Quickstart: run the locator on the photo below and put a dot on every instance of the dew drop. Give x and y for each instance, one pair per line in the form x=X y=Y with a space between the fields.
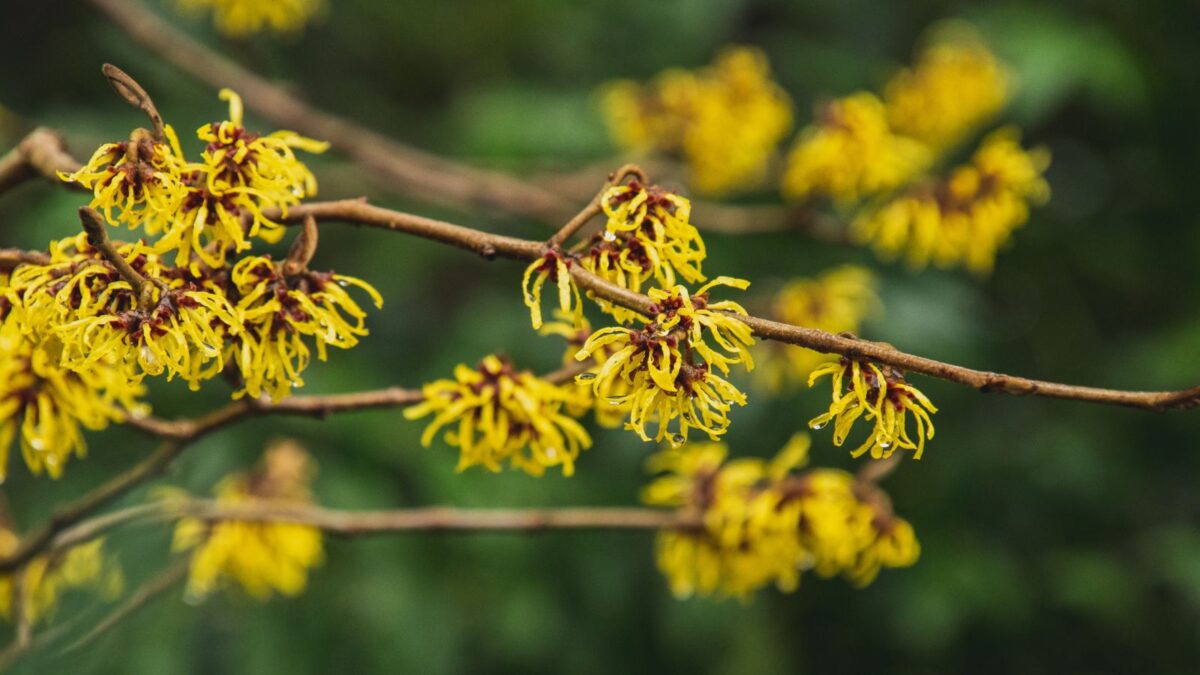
x=38 y=444
x=885 y=446
x=609 y=236
x=817 y=425
x=585 y=376
x=551 y=453
x=678 y=440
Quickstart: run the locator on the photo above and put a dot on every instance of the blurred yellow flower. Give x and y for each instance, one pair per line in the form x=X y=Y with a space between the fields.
x=955 y=86
x=724 y=120
x=502 y=414
x=261 y=557
x=761 y=523
x=46 y=578
x=243 y=18
x=835 y=302
x=966 y=218
x=850 y=153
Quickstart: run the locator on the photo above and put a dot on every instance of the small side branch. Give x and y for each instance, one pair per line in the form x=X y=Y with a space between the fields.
x=143 y=596
x=41 y=153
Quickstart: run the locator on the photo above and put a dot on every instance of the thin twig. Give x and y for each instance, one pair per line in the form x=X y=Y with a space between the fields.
x=357 y=211
x=97 y=235
x=11 y=257
x=146 y=593
x=303 y=248
x=42 y=153
x=75 y=511
x=305 y=406
x=416 y=173
x=132 y=93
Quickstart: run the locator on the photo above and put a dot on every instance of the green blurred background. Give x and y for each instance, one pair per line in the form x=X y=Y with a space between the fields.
x=1056 y=536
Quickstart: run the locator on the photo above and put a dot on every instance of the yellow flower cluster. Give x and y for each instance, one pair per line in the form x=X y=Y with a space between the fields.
x=81 y=329
x=724 y=120
x=243 y=18
x=276 y=312
x=503 y=414
x=48 y=404
x=956 y=85
x=261 y=557
x=850 y=153
x=648 y=235
x=252 y=316
x=761 y=523
x=99 y=317
x=878 y=393
x=205 y=208
x=967 y=217
x=835 y=302
x=609 y=412
x=46 y=578
x=653 y=371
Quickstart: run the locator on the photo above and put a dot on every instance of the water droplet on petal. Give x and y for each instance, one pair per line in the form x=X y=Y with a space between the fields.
x=817 y=425
x=678 y=440
x=609 y=236
x=551 y=453
x=585 y=376
x=38 y=444
x=885 y=446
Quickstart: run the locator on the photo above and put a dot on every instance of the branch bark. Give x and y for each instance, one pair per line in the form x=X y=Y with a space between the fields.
x=41 y=153
x=357 y=211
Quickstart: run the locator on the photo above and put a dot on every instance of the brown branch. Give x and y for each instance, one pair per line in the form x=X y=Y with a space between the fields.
x=75 y=511
x=146 y=593
x=41 y=153
x=97 y=236
x=305 y=406
x=132 y=93
x=416 y=173
x=491 y=245
x=11 y=257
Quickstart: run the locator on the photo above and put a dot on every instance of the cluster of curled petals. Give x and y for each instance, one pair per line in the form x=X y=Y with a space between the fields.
x=967 y=217
x=553 y=267
x=494 y=413
x=48 y=406
x=877 y=394
x=653 y=369
x=280 y=314
x=724 y=120
x=850 y=152
x=837 y=301
x=607 y=409
x=261 y=557
x=47 y=578
x=206 y=209
x=172 y=325
x=648 y=236
x=243 y=18
x=762 y=523
x=955 y=86
x=136 y=183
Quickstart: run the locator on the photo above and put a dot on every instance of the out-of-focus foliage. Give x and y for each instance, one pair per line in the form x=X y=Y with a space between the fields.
x=1054 y=536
